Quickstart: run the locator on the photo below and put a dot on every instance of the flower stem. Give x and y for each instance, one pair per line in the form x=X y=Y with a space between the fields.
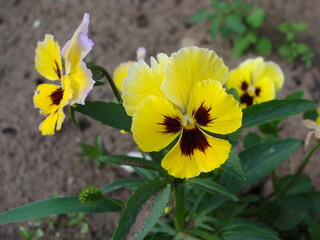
x=110 y=80
x=274 y=181
x=179 y=206
x=300 y=169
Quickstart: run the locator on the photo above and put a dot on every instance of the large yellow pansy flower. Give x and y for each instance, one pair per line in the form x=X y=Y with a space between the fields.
x=182 y=98
x=256 y=81
x=67 y=66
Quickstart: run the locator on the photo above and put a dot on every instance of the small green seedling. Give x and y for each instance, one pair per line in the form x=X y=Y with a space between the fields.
x=238 y=22
x=292 y=50
x=93 y=152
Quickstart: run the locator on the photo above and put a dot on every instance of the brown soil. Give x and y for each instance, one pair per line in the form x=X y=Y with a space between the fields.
x=34 y=166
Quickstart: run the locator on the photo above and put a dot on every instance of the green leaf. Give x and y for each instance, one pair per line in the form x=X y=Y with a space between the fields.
x=302 y=48
x=233 y=166
x=214 y=27
x=111 y=114
x=57 y=206
x=285 y=51
x=256 y=18
x=273 y=110
x=284 y=27
x=264 y=46
x=203 y=234
x=242 y=222
x=235 y=24
x=296 y=94
x=99 y=83
x=132 y=161
x=251 y=139
x=240 y=45
x=96 y=74
x=212 y=187
x=159 y=206
x=299 y=26
x=259 y=161
x=234 y=93
x=314 y=200
x=310 y=114
x=73 y=117
x=241 y=232
x=141 y=206
x=221 y=6
x=122 y=183
x=200 y=16
x=302 y=184
x=313 y=227
x=290 y=211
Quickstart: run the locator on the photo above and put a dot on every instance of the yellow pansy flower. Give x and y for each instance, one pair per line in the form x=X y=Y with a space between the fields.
x=121 y=72
x=181 y=97
x=67 y=66
x=256 y=81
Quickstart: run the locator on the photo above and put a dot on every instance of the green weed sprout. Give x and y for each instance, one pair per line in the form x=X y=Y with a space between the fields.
x=238 y=22
x=93 y=152
x=292 y=50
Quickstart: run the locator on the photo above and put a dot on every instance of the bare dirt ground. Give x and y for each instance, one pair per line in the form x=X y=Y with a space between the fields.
x=32 y=166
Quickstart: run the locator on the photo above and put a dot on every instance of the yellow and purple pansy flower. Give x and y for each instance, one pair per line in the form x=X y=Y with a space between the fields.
x=256 y=81
x=181 y=98
x=68 y=67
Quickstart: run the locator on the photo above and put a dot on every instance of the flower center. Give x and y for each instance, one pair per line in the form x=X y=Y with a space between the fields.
x=56 y=96
x=250 y=93
x=193 y=139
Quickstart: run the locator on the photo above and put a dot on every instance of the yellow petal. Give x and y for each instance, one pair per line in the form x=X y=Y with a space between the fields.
x=155 y=124
x=47 y=59
x=264 y=90
x=51 y=99
x=240 y=80
x=79 y=45
x=81 y=83
x=47 y=127
x=143 y=81
x=47 y=97
x=120 y=73
x=272 y=71
x=187 y=67
x=180 y=165
x=213 y=109
x=52 y=122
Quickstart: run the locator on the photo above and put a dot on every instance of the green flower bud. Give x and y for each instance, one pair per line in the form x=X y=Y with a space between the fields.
x=90 y=195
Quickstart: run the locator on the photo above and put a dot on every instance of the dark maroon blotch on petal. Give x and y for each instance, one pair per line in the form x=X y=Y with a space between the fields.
x=246 y=99
x=56 y=96
x=172 y=124
x=244 y=86
x=191 y=140
x=257 y=91
x=202 y=116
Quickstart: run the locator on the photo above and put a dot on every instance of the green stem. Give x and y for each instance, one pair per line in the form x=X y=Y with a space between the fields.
x=300 y=169
x=274 y=181
x=179 y=206
x=110 y=80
